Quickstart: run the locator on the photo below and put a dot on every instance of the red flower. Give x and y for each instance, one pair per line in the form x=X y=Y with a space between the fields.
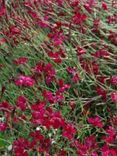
x=95 y=121
x=56 y=120
x=2 y=11
x=101 y=79
x=101 y=53
x=48 y=96
x=14 y=30
x=55 y=56
x=69 y=131
x=21 y=102
x=89 y=145
x=49 y=73
x=111 y=19
x=43 y=144
x=74 y=3
x=62 y=86
x=2 y=40
x=113 y=80
x=101 y=92
x=111 y=131
x=57 y=38
x=39 y=67
x=19 y=147
x=20 y=60
x=79 y=18
x=106 y=151
x=104 y=6
x=89 y=5
x=24 y=81
x=80 y=51
x=113 y=96
x=75 y=77
x=96 y=24
x=5 y=106
x=3 y=126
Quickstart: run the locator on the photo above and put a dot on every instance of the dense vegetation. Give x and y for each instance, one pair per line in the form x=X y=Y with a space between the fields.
x=58 y=78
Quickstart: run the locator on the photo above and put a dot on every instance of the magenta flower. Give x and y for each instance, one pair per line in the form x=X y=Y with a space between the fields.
x=24 y=81
x=38 y=68
x=89 y=145
x=2 y=11
x=21 y=102
x=20 y=60
x=69 y=131
x=106 y=151
x=55 y=56
x=79 y=18
x=101 y=92
x=95 y=121
x=57 y=38
x=62 y=87
x=56 y=120
x=80 y=51
x=113 y=96
x=113 y=80
x=3 y=126
x=101 y=53
x=104 y=6
x=20 y=146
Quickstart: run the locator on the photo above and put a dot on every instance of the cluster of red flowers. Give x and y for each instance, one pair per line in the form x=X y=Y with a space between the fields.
x=63 y=91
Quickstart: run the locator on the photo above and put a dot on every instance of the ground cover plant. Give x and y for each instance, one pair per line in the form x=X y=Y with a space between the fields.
x=58 y=78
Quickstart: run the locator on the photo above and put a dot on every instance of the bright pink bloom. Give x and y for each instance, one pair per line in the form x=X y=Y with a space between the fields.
x=79 y=18
x=55 y=56
x=101 y=92
x=14 y=30
x=20 y=60
x=20 y=146
x=80 y=51
x=108 y=139
x=106 y=151
x=94 y=154
x=69 y=131
x=62 y=87
x=104 y=6
x=75 y=77
x=113 y=96
x=88 y=145
x=111 y=131
x=95 y=121
x=96 y=24
x=24 y=81
x=113 y=80
x=38 y=68
x=49 y=73
x=101 y=79
x=57 y=38
x=43 y=144
x=101 y=53
x=112 y=19
x=21 y=102
x=3 y=126
x=2 y=10
x=5 y=106
x=56 y=120
x=49 y=96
